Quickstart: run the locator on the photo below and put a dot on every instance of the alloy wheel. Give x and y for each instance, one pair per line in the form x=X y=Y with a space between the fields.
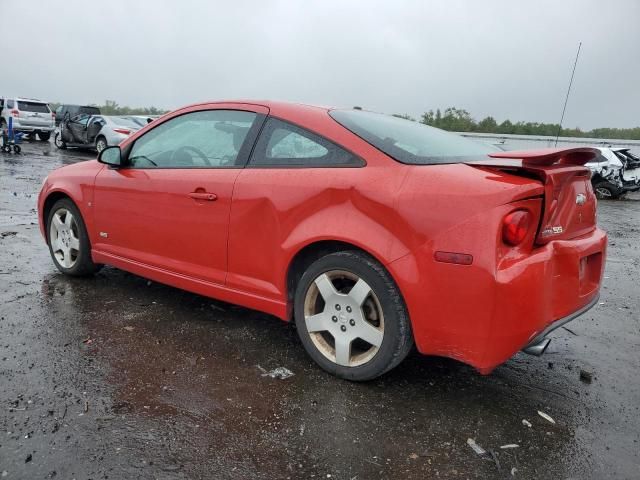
x=64 y=239
x=603 y=193
x=344 y=318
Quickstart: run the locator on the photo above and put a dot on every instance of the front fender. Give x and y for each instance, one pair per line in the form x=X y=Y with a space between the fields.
x=76 y=182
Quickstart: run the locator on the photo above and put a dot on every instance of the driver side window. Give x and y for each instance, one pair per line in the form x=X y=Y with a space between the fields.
x=205 y=139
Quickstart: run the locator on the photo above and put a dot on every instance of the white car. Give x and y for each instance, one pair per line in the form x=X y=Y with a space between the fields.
x=27 y=115
x=614 y=172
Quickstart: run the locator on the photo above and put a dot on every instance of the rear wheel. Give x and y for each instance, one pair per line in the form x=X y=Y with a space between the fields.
x=351 y=317
x=607 y=191
x=44 y=136
x=17 y=149
x=68 y=240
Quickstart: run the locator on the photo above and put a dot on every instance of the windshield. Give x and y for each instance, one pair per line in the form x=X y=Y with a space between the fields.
x=33 y=107
x=410 y=142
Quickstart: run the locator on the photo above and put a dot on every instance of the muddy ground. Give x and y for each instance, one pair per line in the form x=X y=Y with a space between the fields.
x=117 y=377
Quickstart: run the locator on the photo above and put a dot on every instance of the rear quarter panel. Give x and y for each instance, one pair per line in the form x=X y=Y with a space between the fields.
x=277 y=212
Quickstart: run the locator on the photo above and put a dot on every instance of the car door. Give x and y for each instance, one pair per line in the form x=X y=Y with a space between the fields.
x=77 y=129
x=292 y=174
x=95 y=125
x=169 y=206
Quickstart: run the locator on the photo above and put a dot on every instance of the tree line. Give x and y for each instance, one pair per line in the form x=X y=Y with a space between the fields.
x=459 y=120
x=452 y=119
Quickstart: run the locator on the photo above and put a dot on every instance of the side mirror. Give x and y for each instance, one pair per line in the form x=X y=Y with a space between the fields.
x=111 y=156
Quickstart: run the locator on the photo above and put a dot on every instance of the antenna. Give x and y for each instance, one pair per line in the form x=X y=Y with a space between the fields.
x=568 y=91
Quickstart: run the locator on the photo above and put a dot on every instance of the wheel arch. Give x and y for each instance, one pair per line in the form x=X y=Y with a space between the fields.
x=48 y=204
x=311 y=252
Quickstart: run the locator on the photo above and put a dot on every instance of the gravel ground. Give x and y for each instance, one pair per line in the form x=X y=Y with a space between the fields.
x=118 y=377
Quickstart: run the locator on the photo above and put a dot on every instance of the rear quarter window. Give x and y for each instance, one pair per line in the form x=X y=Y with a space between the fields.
x=283 y=144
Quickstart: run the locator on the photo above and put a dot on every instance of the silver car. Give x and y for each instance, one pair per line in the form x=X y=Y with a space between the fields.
x=94 y=131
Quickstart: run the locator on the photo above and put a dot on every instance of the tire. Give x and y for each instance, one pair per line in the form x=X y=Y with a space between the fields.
x=57 y=141
x=376 y=311
x=607 y=191
x=101 y=144
x=44 y=136
x=63 y=245
x=17 y=149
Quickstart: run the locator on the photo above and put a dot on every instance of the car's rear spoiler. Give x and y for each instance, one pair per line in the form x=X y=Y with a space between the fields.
x=546 y=157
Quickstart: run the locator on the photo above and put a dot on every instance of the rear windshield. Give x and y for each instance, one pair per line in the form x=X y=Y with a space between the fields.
x=89 y=110
x=410 y=142
x=33 y=107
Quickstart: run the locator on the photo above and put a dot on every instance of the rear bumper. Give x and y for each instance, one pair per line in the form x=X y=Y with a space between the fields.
x=484 y=313
x=538 y=339
x=27 y=128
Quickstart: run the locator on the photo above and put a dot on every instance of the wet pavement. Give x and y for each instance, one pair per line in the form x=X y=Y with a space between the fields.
x=118 y=377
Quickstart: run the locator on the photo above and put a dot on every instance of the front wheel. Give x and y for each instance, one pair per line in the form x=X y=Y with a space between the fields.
x=101 y=144
x=351 y=317
x=68 y=240
x=44 y=136
x=57 y=140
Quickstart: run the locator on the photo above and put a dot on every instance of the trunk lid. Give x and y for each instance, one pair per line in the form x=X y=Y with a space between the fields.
x=569 y=200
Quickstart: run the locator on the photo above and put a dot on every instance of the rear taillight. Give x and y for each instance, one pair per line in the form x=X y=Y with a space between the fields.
x=515 y=227
x=15 y=112
x=122 y=131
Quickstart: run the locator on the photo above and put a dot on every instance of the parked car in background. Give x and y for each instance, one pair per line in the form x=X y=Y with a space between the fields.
x=28 y=115
x=66 y=110
x=142 y=120
x=614 y=172
x=369 y=231
x=94 y=131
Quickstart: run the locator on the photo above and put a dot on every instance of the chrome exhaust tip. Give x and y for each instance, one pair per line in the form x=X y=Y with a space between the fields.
x=537 y=348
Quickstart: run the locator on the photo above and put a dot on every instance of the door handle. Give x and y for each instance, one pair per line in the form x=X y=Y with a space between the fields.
x=210 y=197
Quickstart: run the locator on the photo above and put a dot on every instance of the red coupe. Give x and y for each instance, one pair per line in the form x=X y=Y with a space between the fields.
x=371 y=232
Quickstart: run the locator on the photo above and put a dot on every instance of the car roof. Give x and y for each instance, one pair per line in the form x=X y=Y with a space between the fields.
x=275 y=106
x=25 y=99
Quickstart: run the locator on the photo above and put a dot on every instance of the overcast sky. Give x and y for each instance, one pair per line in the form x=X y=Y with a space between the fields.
x=509 y=59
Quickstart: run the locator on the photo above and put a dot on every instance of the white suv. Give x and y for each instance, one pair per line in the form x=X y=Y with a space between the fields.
x=29 y=116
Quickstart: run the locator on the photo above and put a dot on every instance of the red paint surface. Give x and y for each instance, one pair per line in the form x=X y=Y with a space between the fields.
x=239 y=247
